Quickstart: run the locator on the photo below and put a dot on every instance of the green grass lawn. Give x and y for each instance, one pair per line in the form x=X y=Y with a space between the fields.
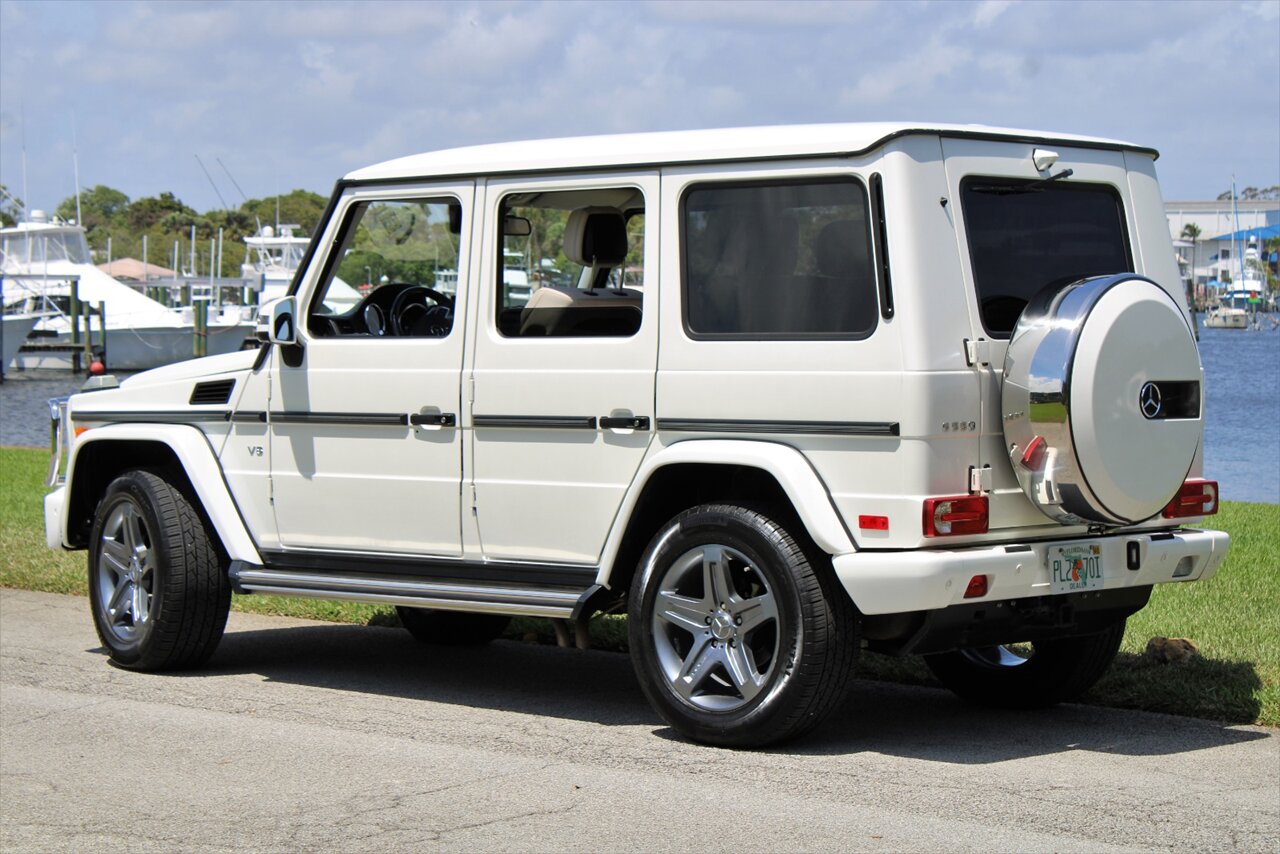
x=1233 y=617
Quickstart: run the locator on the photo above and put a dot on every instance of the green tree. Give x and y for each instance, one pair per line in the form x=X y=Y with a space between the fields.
x=299 y=207
x=149 y=211
x=1191 y=232
x=11 y=208
x=100 y=207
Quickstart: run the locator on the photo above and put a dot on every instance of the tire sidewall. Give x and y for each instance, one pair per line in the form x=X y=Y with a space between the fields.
x=764 y=546
x=131 y=489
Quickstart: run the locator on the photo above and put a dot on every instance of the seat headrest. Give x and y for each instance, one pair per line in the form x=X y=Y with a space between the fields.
x=596 y=236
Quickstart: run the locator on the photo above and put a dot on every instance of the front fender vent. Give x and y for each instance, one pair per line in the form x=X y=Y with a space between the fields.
x=216 y=393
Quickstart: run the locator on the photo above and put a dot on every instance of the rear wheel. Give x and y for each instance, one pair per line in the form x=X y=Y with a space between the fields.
x=157 y=584
x=737 y=636
x=1028 y=676
x=451 y=628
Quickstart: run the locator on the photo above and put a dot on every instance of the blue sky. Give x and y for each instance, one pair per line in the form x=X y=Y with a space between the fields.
x=292 y=95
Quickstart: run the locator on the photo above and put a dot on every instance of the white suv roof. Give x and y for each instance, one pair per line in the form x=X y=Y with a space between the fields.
x=588 y=152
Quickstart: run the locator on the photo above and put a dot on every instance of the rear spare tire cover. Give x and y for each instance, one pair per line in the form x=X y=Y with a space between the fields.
x=1102 y=400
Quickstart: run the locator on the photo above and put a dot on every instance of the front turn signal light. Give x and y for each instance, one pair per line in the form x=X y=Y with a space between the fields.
x=1194 y=498
x=951 y=517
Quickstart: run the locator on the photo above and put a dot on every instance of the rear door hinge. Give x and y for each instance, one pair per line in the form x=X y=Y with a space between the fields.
x=979 y=480
x=977 y=352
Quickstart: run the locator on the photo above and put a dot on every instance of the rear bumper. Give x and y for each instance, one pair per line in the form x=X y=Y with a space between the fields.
x=924 y=580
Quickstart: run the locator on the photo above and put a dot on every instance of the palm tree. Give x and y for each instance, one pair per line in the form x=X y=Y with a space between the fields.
x=1191 y=232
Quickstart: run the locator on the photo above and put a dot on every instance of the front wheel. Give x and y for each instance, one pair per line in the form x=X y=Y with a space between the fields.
x=1028 y=676
x=157 y=586
x=738 y=636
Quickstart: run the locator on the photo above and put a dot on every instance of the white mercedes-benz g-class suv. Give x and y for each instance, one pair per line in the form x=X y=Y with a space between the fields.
x=782 y=394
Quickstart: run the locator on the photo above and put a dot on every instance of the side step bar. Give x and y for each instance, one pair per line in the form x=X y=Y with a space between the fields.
x=444 y=595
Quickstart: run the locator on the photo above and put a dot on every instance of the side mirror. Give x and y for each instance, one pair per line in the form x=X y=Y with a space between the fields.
x=282 y=314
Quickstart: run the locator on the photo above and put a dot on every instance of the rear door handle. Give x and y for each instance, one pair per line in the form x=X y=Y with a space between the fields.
x=433 y=419
x=624 y=422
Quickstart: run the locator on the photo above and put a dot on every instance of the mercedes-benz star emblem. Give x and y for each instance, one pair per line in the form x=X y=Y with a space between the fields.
x=1149 y=400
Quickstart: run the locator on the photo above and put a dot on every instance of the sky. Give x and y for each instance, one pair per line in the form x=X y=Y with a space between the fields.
x=295 y=95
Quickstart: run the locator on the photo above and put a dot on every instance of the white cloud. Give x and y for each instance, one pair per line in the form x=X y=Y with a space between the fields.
x=296 y=94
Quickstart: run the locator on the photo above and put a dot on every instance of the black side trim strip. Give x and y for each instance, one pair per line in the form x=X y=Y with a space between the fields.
x=523 y=575
x=832 y=428
x=248 y=418
x=881 y=236
x=385 y=419
x=544 y=422
x=153 y=416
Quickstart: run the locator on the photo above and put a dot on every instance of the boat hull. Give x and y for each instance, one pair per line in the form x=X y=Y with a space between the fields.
x=142 y=349
x=13 y=334
x=1227 y=319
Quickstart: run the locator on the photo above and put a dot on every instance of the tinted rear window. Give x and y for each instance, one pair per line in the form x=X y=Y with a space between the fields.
x=1024 y=240
x=784 y=260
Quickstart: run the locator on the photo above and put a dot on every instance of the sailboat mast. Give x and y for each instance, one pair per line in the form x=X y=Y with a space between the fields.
x=75 y=166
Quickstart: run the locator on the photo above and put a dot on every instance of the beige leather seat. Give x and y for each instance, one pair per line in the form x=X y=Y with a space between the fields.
x=596 y=238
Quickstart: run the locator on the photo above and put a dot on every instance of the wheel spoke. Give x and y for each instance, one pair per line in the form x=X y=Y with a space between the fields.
x=141 y=605
x=116 y=555
x=717 y=583
x=681 y=611
x=695 y=667
x=119 y=596
x=757 y=612
x=742 y=671
x=134 y=538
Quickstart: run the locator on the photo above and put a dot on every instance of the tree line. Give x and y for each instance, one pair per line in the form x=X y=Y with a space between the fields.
x=109 y=214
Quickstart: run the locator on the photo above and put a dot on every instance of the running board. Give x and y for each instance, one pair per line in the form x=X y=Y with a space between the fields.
x=446 y=595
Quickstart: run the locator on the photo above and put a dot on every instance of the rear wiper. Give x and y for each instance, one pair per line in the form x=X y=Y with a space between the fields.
x=1012 y=189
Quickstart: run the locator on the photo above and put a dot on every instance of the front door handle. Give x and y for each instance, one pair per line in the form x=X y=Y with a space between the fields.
x=624 y=422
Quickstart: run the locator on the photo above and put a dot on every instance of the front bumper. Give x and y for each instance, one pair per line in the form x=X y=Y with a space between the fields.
x=54 y=503
x=928 y=579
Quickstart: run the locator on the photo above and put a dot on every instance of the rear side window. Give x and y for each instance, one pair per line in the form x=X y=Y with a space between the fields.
x=1025 y=236
x=784 y=260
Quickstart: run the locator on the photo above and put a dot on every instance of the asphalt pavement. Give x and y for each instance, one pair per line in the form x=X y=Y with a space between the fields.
x=305 y=736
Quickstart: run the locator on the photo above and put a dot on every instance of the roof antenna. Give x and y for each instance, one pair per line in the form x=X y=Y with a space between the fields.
x=225 y=206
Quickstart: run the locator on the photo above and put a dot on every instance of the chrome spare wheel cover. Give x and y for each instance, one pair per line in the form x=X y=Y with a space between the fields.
x=125 y=573
x=1101 y=400
x=715 y=628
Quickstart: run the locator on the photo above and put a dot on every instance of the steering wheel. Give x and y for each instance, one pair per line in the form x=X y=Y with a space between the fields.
x=410 y=307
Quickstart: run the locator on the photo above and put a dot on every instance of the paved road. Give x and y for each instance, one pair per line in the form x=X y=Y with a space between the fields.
x=312 y=736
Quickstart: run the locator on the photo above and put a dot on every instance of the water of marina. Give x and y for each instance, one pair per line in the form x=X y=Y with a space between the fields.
x=1242 y=403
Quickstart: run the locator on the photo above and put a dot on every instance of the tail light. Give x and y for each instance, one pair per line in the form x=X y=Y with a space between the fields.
x=1194 y=498
x=951 y=517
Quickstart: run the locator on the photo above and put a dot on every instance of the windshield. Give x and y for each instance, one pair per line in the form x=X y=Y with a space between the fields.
x=39 y=247
x=1026 y=236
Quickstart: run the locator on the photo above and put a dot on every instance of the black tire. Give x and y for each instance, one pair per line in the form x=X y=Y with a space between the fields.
x=1056 y=671
x=794 y=660
x=452 y=628
x=150 y=547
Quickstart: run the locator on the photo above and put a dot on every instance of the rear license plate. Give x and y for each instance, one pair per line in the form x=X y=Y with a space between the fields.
x=1075 y=567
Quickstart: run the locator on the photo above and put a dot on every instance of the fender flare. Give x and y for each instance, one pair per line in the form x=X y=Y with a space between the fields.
x=790 y=468
x=196 y=456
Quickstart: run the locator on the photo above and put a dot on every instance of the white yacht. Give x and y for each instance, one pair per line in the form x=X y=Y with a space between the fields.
x=14 y=329
x=1244 y=297
x=271 y=259
x=39 y=260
